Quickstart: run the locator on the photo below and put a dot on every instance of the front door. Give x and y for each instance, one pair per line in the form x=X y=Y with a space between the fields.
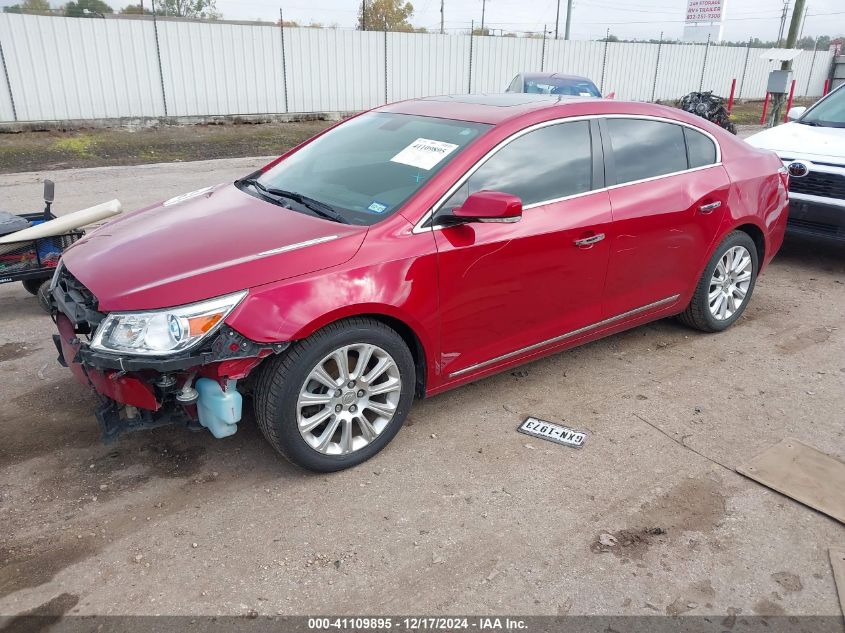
x=508 y=287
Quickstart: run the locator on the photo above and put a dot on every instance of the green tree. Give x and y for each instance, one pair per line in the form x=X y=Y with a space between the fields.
x=135 y=9
x=393 y=15
x=86 y=8
x=29 y=6
x=203 y=9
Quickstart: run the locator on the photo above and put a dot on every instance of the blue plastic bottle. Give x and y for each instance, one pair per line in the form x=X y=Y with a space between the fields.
x=219 y=410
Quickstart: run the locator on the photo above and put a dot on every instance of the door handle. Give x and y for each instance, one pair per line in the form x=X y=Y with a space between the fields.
x=589 y=241
x=707 y=208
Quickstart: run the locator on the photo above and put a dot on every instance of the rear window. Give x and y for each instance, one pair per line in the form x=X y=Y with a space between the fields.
x=558 y=86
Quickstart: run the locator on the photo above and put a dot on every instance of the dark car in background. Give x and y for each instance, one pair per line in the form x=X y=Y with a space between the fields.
x=554 y=84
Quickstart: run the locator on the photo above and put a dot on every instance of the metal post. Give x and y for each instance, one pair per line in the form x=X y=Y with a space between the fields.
x=557 y=17
x=441 y=17
x=789 y=102
x=471 y=29
x=158 y=57
x=363 y=15
x=8 y=83
x=656 y=67
x=543 y=50
x=704 y=65
x=812 y=63
x=568 y=19
x=385 y=60
x=604 y=61
x=744 y=69
x=284 y=64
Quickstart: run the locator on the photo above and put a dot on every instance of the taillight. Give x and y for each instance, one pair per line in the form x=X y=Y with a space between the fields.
x=784 y=177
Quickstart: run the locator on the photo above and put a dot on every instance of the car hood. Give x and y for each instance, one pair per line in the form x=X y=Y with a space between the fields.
x=794 y=140
x=204 y=244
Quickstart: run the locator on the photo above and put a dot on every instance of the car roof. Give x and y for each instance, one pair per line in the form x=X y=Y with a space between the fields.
x=479 y=108
x=496 y=109
x=555 y=76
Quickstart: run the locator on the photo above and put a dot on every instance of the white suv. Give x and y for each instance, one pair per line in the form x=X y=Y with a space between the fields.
x=812 y=146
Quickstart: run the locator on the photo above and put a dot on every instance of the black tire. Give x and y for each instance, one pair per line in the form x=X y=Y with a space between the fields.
x=44 y=296
x=698 y=315
x=281 y=378
x=32 y=285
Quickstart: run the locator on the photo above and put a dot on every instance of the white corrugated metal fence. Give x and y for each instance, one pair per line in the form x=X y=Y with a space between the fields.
x=57 y=68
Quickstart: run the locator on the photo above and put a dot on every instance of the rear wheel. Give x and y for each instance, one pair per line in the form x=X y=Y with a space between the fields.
x=337 y=398
x=725 y=287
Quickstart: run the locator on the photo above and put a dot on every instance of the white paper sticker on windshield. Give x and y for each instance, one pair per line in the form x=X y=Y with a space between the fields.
x=424 y=153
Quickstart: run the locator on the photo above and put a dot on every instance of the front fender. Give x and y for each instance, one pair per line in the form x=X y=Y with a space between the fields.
x=403 y=289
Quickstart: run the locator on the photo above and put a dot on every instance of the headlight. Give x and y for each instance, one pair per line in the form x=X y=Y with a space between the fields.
x=163 y=332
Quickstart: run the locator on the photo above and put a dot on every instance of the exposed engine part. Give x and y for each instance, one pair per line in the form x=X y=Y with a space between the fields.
x=165 y=381
x=188 y=395
x=708 y=106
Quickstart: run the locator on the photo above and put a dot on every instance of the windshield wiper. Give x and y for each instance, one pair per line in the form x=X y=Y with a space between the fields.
x=813 y=123
x=320 y=208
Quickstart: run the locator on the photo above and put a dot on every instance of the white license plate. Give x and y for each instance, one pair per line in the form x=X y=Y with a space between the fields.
x=553 y=432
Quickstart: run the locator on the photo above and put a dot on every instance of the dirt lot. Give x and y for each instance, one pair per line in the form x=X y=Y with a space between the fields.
x=28 y=151
x=460 y=514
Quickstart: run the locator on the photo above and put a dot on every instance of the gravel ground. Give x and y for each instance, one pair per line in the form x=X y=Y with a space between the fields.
x=460 y=514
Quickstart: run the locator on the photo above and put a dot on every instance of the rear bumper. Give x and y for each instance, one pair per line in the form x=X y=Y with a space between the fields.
x=811 y=216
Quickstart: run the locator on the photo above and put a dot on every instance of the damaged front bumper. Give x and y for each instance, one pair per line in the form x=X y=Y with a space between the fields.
x=138 y=392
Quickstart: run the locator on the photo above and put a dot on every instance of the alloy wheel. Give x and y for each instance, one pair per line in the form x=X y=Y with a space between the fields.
x=348 y=399
x=730 y=282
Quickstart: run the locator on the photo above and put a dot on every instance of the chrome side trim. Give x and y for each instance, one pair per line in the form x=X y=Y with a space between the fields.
x=293 y=247
x=563 y=337
x=419 y=228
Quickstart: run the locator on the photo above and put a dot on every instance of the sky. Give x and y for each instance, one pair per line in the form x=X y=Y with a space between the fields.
x=590 y=18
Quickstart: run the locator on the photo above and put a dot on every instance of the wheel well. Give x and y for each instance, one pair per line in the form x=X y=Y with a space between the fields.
x=412 y=341
x=755 y=234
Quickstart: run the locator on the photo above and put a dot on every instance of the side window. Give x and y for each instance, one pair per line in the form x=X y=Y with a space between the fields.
x=701 y=150
x=644 y=148
x=515 y=85
x=548 y=163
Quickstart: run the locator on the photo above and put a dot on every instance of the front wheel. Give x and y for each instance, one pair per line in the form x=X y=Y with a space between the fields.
x=725 y=287
x=335 y=399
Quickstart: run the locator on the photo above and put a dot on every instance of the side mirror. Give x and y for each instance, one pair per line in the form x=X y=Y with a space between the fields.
x=49 y=191
x=795 y=113
x=487 y=206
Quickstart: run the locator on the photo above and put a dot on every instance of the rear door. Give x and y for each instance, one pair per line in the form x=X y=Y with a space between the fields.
x=508 y=287
x=668 y=194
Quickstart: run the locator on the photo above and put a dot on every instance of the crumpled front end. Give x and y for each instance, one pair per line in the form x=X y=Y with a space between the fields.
x=197 y=387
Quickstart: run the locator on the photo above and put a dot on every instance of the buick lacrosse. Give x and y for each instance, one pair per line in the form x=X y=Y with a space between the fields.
x=406 y=251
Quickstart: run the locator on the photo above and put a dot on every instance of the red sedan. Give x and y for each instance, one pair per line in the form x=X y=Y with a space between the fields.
x=409 y=250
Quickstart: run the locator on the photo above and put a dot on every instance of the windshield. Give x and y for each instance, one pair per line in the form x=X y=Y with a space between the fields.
x=367 y=167
x=560 y=86
x=827 y=113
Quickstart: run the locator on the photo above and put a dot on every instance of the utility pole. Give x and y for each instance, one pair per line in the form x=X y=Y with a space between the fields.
x=803 y=20
x=441 y=16
x=568 y=19
x=557 y=17
x=363 y=15
x=791 y=38
x=483 y=7
x=782 y=21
